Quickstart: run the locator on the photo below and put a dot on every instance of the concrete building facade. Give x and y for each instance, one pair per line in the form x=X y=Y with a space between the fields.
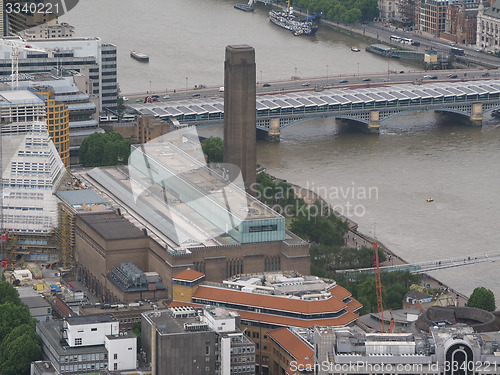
x=488 y=25
x=31 y=168
x=71 y=54
x=275 y=300
x=183 y=340
x=239 y=113
x=87 y=344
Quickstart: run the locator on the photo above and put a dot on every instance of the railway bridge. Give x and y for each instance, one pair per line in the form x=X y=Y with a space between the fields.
x=365 y=107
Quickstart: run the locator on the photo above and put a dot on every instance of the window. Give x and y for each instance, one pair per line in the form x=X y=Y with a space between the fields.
x=78 y=341
x=92 y=329
x=115 y=365
x=115 y=356
x=207 y=350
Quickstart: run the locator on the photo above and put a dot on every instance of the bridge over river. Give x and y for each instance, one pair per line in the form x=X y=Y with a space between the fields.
x=433 y=265
x=367 y=107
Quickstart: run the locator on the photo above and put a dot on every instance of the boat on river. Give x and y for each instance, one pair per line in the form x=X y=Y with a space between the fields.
x=287 y=20
x=139 y=56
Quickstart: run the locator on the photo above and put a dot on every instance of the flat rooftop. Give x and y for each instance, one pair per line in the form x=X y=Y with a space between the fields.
x=167 y=323
x=52 y=333
x=77 y=198
x=18 y=97
x=111 y=226
x=90 y=319
x=206 y=181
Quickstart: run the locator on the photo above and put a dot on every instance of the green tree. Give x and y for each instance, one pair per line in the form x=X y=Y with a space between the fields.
x=213 y=147
x=137 y=331
x=482 y=298
x=18 y=349
x=104 y=149
x=11 y=316
x=8 y=293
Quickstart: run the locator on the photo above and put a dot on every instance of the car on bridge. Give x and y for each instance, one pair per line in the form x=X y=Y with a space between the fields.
x=485 y=74
x=344 y=81
x=196 y=94
x=306 y=84
x=266 y=85
x=366 y=79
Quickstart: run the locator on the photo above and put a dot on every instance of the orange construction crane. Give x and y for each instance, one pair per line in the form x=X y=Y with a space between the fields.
x=391 y=326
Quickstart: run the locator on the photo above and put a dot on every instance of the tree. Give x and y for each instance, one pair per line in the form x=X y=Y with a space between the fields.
x=18 y=349
x=104 y=149
x=137 y=331
x=213 y=147
x=8 y=293
x=11 y=316
x=482 y=298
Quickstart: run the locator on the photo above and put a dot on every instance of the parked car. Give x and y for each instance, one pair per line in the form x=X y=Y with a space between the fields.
x=125 y=99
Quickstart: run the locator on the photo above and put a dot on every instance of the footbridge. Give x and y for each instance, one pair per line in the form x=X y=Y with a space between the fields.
x=434 y=265
x=367 y=107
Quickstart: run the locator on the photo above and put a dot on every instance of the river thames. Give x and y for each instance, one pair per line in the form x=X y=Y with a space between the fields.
x=415 y=157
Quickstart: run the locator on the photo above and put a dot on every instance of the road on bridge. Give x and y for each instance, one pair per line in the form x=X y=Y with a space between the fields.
x=339 y=81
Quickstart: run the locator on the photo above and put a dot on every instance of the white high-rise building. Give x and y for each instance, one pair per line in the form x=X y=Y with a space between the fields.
x=31 y=168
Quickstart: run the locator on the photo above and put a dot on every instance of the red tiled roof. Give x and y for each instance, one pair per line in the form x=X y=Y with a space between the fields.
x=220 y=294
x=298 y=349
x=339 y=292
x=284 y=321
x=188 y=275
x=342 y=320
x=353 y=305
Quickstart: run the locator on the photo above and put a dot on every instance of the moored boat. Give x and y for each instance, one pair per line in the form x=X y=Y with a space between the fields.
x=139 y=56
x=244 y=7
x=286 y=20
x=355 y=49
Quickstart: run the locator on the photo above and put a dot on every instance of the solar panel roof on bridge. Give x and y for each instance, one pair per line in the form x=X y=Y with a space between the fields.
x=327 y=97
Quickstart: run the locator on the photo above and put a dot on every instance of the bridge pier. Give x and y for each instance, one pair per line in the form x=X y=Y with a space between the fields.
x=374 y=124
x=476 y=118
x=274 y=130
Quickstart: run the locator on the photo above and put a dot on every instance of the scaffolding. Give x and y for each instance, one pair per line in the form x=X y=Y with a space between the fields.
x=66 y=237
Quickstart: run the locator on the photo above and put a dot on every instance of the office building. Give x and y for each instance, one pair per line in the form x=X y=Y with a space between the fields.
x=87 y=344
x=70 y=54
x=240 y=148
x=183 y=340
x=31 y=172
x=461 y=23
x=273 y=300
x=432 y=14
x=48 y=30
x=488 y=23
x=352 y=351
